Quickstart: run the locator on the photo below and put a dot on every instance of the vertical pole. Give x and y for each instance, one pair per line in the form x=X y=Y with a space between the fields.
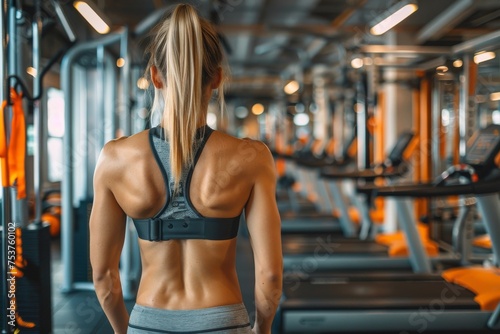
x=125 y=75
x=466 y=115
x=67 y=180
x=490 y=211
x=436 y=162
x=126 y=256
x=5 y=190
x=37 y=114
x=391 y=116
x=425 y=130
x=419 y=209
x=436 y=128
x=67 y=228
x=362 y=123
x=19 y=207
x=345 y=220
x=419 y=260
x=338 y=125
x=456 y=131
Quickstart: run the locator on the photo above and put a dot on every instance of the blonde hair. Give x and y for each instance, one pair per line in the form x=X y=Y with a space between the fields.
x=187 y=53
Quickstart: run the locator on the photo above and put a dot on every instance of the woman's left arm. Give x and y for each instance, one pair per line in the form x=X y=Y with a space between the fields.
x=107 y=232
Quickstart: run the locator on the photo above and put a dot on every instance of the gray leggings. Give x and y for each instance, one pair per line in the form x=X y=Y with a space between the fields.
x=228 y=319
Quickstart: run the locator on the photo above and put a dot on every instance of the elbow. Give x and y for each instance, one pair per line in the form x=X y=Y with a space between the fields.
x=272 y=275
x=106 y=281
x=99 y=276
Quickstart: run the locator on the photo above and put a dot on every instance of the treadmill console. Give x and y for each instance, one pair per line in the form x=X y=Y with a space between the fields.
x=396 y=155
x=484 y=148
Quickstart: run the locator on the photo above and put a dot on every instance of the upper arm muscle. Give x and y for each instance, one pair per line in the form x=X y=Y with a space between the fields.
x=262 y=216
x=107 y=220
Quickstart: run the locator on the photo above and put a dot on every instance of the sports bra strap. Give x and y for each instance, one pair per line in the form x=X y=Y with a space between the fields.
x=160 y=229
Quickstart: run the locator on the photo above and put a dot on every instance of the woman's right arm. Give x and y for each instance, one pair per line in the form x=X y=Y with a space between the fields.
x=264 y=226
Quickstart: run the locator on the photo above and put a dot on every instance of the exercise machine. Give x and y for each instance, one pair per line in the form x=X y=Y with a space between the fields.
x=465 y=299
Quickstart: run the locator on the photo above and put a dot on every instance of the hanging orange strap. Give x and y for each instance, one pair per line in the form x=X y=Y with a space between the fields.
x=3 y=147
x=13 y=156
x=17 y=146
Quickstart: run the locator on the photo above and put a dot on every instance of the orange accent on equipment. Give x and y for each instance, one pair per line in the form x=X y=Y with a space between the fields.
x=24 y=323
x=483 y=241
x=423 y=162
x=280 y=167
x=376 y=216
x=484 y=282
x=353 y=148
x=497 y=160
x=54 y=222
x=388 y=238
x=19 y=261
x=13 y=154
x=416 y=99
x=412 y=146
x=330 y=147
x=3 y=147
x=400 y=248
x=397 y=242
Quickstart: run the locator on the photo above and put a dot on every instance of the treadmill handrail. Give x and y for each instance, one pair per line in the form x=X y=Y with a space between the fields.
x=367 y=174
x=432 y=190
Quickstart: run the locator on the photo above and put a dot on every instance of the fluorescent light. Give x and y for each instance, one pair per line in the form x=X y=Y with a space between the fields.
x=212 y=120
x=495 y=96
x=301 y=119
x=357 y=63
x=120 y=62
x=300 y=107
x=458 y=63
x=241 y=112
x=483 y=56
x=257 y=109
x=142 y=83
x=90 y=14
x=441 y=70
x=31 y=71
x=393 y=16
x=495 y=116
x=291 y=87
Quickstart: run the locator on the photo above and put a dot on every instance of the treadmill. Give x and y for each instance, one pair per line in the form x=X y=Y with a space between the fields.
x=327 y=251
x=316 y=222
x=467 y=299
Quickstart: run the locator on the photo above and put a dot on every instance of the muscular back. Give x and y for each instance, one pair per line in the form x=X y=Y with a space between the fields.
x=186 y=274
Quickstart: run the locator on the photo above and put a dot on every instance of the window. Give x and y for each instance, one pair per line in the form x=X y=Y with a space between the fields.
x=55 y=133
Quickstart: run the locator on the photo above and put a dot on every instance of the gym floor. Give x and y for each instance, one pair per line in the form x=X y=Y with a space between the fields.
x=80 y=313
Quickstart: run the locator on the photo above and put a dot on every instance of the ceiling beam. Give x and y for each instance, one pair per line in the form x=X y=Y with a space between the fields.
x=445 y=21
x=491 y=40
x=347 y=13
x=269 y=30
x=486 y=18
x=245 y=42
x=405 y=49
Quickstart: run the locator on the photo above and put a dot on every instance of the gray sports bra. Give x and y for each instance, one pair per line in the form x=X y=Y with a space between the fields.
x=178 y=219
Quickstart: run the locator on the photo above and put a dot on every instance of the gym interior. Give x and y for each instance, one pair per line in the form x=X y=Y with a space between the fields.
x=383 y=117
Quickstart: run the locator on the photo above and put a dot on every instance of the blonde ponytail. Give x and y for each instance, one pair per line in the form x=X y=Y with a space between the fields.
x=187 y=54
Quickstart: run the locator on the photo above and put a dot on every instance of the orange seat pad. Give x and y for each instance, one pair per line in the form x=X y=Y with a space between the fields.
x=483 y=241
x=387 y=239
x=400 y=248
x=484 y=282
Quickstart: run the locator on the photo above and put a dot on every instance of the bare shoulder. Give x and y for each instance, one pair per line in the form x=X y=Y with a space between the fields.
x=252 y=156
x=250 y=150
x=118 y=153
